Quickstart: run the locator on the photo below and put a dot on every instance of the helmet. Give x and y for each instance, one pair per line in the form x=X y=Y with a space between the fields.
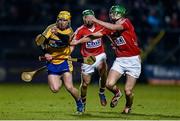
x=88 y=12
x=117 y=11
x=64 y=15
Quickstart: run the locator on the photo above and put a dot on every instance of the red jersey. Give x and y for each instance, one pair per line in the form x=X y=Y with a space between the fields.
x=124 y=40
x=94 y=47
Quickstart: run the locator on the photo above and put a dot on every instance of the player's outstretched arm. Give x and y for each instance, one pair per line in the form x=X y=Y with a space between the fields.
x=106 y=24
x=82 y=40
x=87 y=38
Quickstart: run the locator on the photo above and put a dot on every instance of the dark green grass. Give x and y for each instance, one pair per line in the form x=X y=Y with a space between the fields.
x=36 y=101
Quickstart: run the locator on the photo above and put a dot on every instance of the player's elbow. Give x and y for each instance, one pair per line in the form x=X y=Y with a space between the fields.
x=37 y=39
x=40 y=39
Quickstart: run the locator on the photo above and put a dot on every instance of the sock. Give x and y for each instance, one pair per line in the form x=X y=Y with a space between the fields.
x=79 y=101
x=129 y=100
x=83 y=99
x=116 y=91
x=101 y=90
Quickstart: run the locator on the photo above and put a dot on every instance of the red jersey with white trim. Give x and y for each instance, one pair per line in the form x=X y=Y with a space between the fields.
x=124 y=40
x=94 y=47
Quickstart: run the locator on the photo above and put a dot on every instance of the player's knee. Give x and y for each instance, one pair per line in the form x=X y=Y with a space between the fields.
x=55 y=89
x=84 y=85
x=109 y=84
x=103 y=73
x=128 y=91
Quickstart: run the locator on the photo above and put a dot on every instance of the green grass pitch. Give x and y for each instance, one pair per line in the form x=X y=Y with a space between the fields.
x=35 y=101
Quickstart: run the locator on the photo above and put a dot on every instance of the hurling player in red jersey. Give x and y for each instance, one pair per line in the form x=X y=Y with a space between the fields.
x=95 y=48
x=122 y=35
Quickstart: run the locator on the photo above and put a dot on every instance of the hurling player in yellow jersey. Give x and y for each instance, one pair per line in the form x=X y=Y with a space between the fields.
x=55 y=43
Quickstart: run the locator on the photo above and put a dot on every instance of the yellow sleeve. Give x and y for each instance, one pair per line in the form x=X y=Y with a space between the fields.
x=47 y=32
x=40 y=39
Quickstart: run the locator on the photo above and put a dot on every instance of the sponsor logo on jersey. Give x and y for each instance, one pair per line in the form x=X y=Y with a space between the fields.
x=120 y=41
x=93 y=44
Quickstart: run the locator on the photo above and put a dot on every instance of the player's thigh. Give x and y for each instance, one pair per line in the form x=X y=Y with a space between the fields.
x=132 y=66
x=113 y=77
x=67 y=78
x=115 y=73
x=102 y=67
x=54 y=81
x=133 y=70
x=101 y=62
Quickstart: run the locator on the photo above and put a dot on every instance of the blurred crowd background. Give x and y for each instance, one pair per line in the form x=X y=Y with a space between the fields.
x=22 y=20
x=153 y=14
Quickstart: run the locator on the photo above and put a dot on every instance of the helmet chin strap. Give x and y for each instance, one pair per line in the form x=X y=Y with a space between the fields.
x=114 y=20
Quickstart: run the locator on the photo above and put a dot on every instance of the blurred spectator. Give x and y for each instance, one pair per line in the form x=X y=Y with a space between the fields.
x=174 y=21
x=153 y=19
x=156 y=13
x=103 y=15
x=144 y=14
x=14 y=13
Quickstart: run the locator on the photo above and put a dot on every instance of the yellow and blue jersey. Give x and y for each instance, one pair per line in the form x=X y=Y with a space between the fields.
x=59 y=52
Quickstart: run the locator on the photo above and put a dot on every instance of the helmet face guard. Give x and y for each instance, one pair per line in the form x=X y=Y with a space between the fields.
x=86 y=13
x=116 y=12
x=115 y=16
x=63 y=19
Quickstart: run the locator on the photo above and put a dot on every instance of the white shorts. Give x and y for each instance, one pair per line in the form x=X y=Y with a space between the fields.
x=128 y=65
x=87 y=69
